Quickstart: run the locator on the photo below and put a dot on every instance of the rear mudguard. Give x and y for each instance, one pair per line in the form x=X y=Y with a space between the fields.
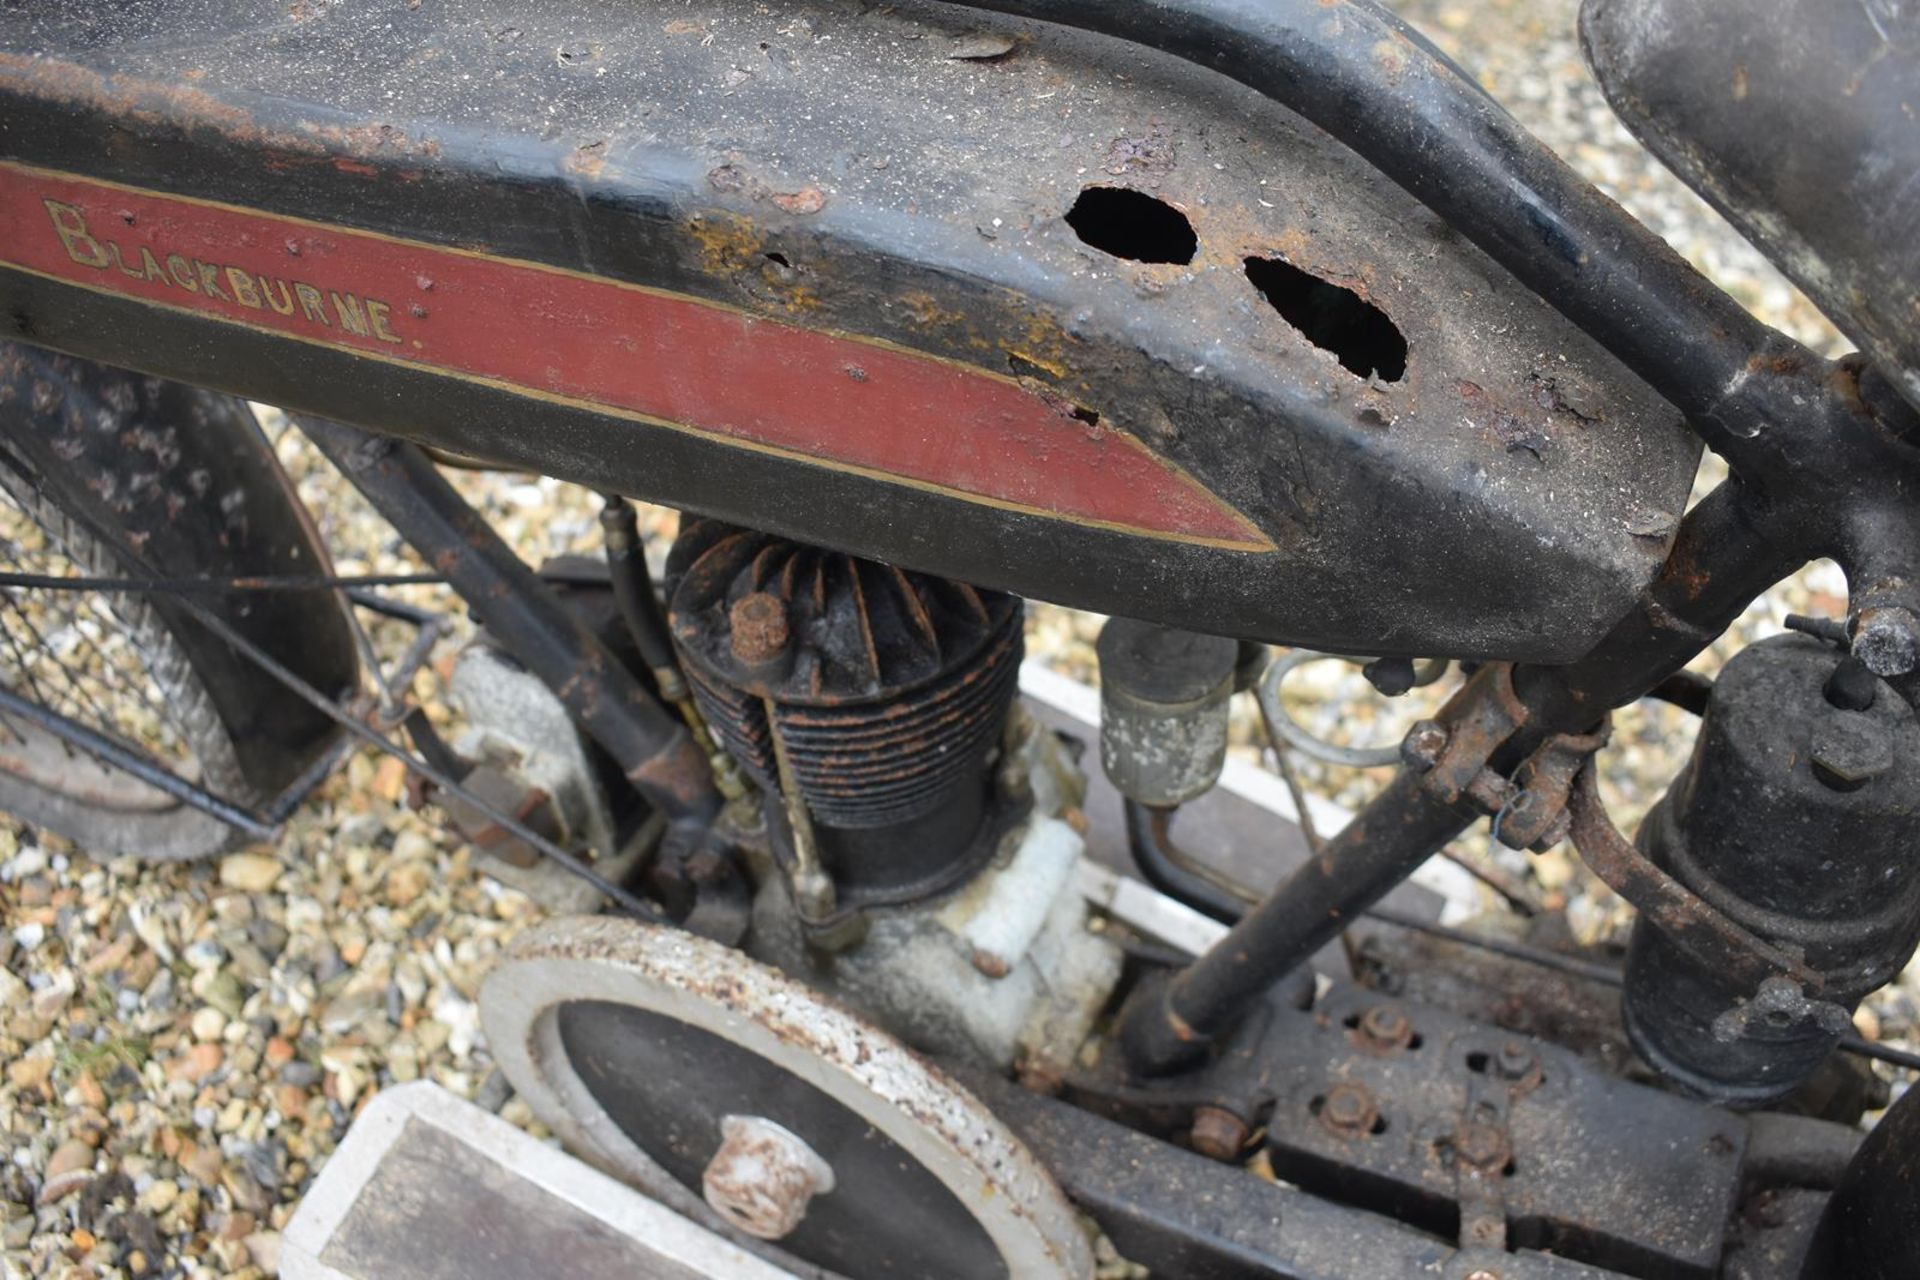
x=808 y=267
x=184 y=480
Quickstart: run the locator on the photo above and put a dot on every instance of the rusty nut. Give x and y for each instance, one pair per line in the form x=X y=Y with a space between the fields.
x=1218 y=1133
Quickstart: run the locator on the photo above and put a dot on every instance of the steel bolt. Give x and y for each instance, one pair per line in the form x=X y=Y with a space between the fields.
x=758 y=621
x=1515 y=1060
x=1218 y=1133
x=1422 y=746
x=763 y=1176
x=1349 y=1110
x=1386 y=1027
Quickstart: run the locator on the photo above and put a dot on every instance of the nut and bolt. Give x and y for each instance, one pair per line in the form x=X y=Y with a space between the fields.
x=1848 y=750
x=1482 y=1147
x=1218 y=1133
x=1421 y=748
x=763 y=1176
x=1385 y=1027
x=758 y=621
x=1349 y=1111
x=1514 y=1060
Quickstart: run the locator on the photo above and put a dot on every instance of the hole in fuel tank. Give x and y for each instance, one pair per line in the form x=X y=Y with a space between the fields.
x=1333 y=318
x=1132 y=224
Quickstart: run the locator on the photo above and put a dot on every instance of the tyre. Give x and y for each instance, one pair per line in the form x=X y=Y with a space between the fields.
x=94 y=463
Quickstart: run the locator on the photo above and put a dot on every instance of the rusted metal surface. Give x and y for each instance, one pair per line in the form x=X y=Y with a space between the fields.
x=1541 y=1148
x=1868 y=1231
x=650 y=745
x=1218 y=1134
x=762 y=1177
x=758 y=626
x=1144 y=1193
x=868 y=695
x=816 y=198
x=1702 y=930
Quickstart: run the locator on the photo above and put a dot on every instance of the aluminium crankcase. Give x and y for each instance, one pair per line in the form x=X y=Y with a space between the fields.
x=1035 y=310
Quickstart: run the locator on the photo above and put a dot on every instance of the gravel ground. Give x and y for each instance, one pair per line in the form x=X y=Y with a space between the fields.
x=183 y=1046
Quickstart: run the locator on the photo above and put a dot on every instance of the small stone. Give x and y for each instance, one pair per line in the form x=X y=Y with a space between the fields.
x=88 y=1090
x=202 y=1164
x=406 y=882
x=199 y=1062
x=49 y=1003
x=279 y=1052
x=225 y=993
x=291 y=1099
x=30 y=1074
x=159 y=1197
x=264 y=1248
x=208 y=1023
x=494 y=1091
x=250 y=872
x=352 y=1010
x=13 y=992
x=304 y=1074
x=68 y=1169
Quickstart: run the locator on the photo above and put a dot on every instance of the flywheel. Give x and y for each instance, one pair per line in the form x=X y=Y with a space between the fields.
x=763 y=1109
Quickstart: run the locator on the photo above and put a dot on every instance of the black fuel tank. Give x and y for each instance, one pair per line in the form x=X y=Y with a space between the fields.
x=1035 y=310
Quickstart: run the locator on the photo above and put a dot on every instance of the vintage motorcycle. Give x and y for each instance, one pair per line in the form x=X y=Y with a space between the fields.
x=1242 y=321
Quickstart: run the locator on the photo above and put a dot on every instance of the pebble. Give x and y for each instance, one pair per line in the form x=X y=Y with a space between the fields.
x=250 y=872
x=69 y=1168
x=199 y=1062
x=159 y=1197
x=208 y=1023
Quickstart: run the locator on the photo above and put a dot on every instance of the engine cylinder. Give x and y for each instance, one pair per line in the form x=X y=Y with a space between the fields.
x=1796 y=816
x=878 y=695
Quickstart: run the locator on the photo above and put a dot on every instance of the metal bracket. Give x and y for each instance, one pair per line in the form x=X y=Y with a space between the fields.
x=1452 y=753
